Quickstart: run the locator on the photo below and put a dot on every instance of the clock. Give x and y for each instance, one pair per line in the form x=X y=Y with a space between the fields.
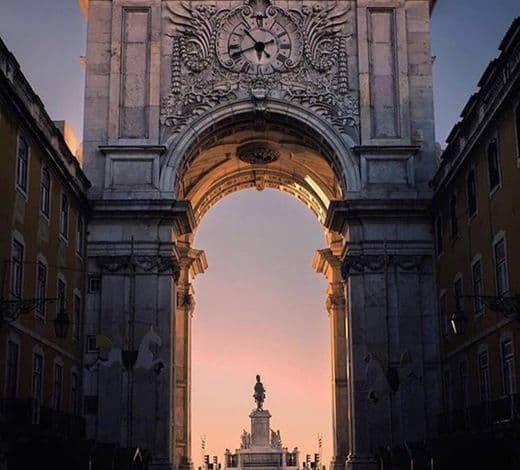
x=260 y=44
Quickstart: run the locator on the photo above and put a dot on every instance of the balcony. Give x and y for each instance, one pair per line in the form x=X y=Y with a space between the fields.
x=20 y=415
x=484 y=416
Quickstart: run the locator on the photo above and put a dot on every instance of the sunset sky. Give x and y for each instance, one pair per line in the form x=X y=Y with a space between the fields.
x=260 y=307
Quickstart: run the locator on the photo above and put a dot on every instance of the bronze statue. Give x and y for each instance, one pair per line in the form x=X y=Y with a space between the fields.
x=259 y=394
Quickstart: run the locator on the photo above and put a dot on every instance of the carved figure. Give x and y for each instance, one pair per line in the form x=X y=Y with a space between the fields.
x=259 y=394
x=245 y=440
x=276 y=439
x=383 y=379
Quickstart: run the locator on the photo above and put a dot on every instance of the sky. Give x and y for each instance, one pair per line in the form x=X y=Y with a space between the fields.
x=260 y=307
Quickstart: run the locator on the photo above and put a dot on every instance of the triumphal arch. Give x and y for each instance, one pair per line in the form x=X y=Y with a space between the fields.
x=330 y=101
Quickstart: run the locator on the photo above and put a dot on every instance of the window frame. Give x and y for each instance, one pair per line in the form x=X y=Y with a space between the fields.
x=41 y=307
x=57 y=384
x=80 y=235
x=501 y=238
x=7 y=387
x=45 y=213
x=472 y=173
x=77 y=316
x=458 y=279
x=483 y=373
x=64 y=216
x=504 y=341
x=16 y=292
x=22 y=188
x=478 y=305
x=61 y=303
x=498 y=185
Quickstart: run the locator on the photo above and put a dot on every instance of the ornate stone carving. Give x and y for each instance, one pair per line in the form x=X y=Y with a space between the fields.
x=357 y=264
x=313 y=72
x=146 y=263
x=258 y=153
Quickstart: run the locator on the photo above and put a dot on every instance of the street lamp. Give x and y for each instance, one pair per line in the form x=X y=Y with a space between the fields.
x=458 y=322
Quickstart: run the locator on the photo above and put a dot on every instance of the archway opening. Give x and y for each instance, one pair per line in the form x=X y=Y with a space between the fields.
x=260 y=309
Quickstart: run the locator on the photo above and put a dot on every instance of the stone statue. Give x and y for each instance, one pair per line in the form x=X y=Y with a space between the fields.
x=259 y=394
x=276 y=440
x=245 y=439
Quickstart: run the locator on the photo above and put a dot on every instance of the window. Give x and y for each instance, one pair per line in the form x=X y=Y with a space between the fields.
x=41 y=288
x=471 y=191
x=459 y=294
x=76 y=334
x=58 y=386
x=508 y=367
x=478 y=287
x=443 y=311
x=464 y=384
x=61 y=296
x=438 y=235
x=501 y=267
x=22 y=164
x=493 y=167
x=80 y=235
x=64 y=216
x=45 y=203
x=17 y=269
x=74 y=393
x=11 y=385
x=454 y=223
x=483 y=374
x=37 y=377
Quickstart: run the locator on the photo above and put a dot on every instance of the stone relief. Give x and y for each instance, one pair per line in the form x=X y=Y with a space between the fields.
x=258 y=50
x=357 y=264
x=158 y=263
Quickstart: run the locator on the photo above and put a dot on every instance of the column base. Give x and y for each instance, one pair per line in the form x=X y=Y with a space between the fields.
x=361 y=462
x=338 y=463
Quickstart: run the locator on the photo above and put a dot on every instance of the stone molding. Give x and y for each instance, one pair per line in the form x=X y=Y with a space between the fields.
x=371 y=264
x=124 y=264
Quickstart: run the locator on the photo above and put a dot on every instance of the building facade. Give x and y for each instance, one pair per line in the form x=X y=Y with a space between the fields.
x=477 y=229
x=329 y=101
x=43 y=216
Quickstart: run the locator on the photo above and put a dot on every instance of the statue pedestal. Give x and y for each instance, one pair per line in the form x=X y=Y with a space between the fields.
x=260 y=429
x=262 y=448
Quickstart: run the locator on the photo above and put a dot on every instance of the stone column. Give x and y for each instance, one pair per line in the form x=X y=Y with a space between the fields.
x=328 y=264
x=392 y=330
x=192 y=262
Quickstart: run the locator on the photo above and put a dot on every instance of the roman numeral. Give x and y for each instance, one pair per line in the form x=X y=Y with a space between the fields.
x=285 y=46
x=282 y=34
x=281 y=58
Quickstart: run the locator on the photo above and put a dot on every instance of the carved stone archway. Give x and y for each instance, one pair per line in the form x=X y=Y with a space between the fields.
x=342 y=90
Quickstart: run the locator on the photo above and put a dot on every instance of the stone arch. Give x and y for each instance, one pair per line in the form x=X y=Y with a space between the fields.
x=336 y=148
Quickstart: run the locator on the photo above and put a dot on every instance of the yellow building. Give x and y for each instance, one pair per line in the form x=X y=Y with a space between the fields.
x=43 y=211
x=477 y=225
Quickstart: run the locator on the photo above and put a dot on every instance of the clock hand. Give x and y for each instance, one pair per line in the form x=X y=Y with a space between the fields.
x=237 y=53
x=249 y=34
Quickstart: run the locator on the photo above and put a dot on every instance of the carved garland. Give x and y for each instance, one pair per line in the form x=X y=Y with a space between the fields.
x=359 y=264
x=155 y=263
x=199 y=81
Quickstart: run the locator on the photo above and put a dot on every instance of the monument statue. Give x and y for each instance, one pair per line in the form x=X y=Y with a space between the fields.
x=259 y=394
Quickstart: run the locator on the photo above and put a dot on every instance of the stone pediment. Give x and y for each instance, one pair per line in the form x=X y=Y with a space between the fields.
x=255 y=49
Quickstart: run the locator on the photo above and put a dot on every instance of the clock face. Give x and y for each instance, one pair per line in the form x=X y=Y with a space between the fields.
x=259 y=45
